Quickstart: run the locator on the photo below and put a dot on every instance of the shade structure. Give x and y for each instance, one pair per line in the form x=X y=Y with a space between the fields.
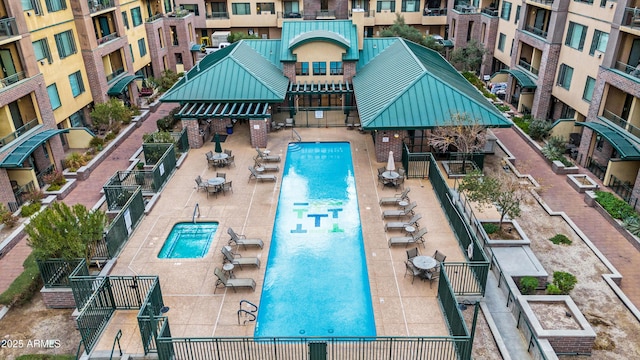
x=391 y=165
x=218 y=147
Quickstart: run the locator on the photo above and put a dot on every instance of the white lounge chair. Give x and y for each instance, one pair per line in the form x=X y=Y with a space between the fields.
x=265 y=157
x=237 y=259
x=394 y=200
x=232 y=283
x=408 y=210
x=265 y=167
x=242 y=240
x=400 y=225
x=418 y=237
x=254 y=175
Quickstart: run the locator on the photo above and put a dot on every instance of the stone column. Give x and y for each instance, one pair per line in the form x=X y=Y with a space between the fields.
x=386 y=141
x=193 y=133
x=258 y=128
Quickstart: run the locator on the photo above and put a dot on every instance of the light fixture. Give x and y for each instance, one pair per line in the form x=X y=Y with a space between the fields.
x=396 y=135
x=41 y=62
x=611 y=6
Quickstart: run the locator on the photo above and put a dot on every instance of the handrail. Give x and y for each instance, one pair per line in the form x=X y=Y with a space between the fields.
x=196 y=208
x=116 y=339
x=293 y=131
x=78 y=351
x=249 y=313
x=255 y=307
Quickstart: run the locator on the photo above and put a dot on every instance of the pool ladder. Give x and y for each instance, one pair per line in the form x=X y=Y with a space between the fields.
x=250 y=314
x=196 y=208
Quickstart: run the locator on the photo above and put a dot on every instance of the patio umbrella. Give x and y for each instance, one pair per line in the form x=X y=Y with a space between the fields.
x=391 y=165
x=218 y=147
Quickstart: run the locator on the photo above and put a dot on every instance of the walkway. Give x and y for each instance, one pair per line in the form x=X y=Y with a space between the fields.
x=86 y=192
x=560 y=196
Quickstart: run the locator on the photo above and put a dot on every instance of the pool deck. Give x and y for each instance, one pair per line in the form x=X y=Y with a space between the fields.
x=400 y=307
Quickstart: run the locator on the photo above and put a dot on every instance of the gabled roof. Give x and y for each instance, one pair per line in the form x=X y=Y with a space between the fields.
x=371 y=48
x=296 y=33
x=268 y=48
x=407 y=86
x=236 y=73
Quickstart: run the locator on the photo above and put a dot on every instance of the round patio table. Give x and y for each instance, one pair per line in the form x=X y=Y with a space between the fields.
x=228 y=269
x=424 y=262
x=390 y=175
x=220 y=156
x=216 y=181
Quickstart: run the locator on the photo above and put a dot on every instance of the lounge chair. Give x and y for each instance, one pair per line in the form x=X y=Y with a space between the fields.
x=265 y=157
x=408 y=210
x=242 y=240
x=232 y=283
x=400 y=225
x=418 y=237
x=237 y=259
x=265 y=167
x=254 y=175
x=394 y=200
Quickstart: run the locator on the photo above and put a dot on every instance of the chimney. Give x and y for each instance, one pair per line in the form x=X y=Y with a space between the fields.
x=357 y=18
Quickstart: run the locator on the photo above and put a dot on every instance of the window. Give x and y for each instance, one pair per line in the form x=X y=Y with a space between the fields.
x=32 y=5
x=564 y=76
x=65 y=43
x=588 y=89
x=41 y=50
x=575 y=36
x=302 y=68
x=291 y=7
x=160 y=38
x=410 y=5
x=241 y=9
x=55 y=5
x=77 y=86
x=599 y=142
x=506 y=11
x=387 y=6
x=218 y=9
x=265 y=8
x=501 y=40
x=54 y=98
x=136 y=17
x=142 y=47
x=469 y=30
x=125 y=20
x=174 y=35
x=192 y=8
x=599 y=42
x=336 y=68
x=517 y=14
x=319 y=68
x=178 y=58
x=133 y=58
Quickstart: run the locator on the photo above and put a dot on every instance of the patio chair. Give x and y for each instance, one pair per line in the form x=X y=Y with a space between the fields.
x=418 y=237
x=227 y=186
x=431 y=275
x=200 y=184
x=265 y=157
x=408 y=210
x=394 y=200
x=212 y=190
x=381 y=170
x=266 y=167
x=401 y=171
x=413 y=252
x=242 y=240
x=237 y=259
x=209 y=155
x=254 y=175
x=213 y=163
x=221 y=175
x=399 y=182
x=400 y=225
x=440 y=257
x=226 y=151
x=232 y=283
x=231 y=160
x=411 y=270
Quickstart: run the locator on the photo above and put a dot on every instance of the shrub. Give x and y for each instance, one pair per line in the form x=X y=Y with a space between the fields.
x=521 y=123
x=34 y=196
x=616 y=207
x=632 y=224
x=563 y=283
x=24 y=286
x=55 y=179
x=30 y=209
x=7 y=218
x=539 y=129
x=490 y=228
x=75 y=160
x=528 y=285
x=560 y=239
x=554 y=150
x=45 y=357
x=110 y=136
x=158 y=137
x=503 y=108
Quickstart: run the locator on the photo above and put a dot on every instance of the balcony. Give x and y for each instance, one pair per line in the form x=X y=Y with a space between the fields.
x=218 y=15
x=536 y=31
x=435 y=12
x=8 y=27
x=99 y=5
x=325 y=15
x=114 y=74
x=626 y=125
x=628 y=69
x=526 y=66
x=106 y=39
x=154 y=18
x=12 y=79
x=19 y=132
x=490 y=12
x=631 y=17
x=543 y=2
x=466 y=9
x=367 y=13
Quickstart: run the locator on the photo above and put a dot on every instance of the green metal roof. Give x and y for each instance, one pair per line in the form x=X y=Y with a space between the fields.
x=521 y=77
x=319 y=35
x=18 y=155
x=371 y=48
x=236 y=73
x=268 y=48
x=621 y=140
x=407 y=86
x=343 y=29
x=121 y=85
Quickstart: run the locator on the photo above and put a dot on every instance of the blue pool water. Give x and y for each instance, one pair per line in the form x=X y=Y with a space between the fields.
x=316 y=281
x=188 y=240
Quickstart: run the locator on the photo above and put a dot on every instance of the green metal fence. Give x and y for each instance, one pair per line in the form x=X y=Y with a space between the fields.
x=163 y=159
x=55 y=272
x=452 y=314
x=150 y=319
x=181 y=140
x=153 y=152
x=416 y=164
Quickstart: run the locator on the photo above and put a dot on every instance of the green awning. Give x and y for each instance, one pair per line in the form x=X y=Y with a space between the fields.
x=120 y=85
x=621 y=140
x=521 y=77
x=196 y=47
x=447 y=43
x=18 y=155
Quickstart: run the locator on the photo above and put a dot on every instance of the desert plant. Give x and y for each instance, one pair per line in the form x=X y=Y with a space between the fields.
x=563 y=283
x=560 y=239
x=554 y=150
x=616 y=207
x=34 y=196
x=55 y=178
x=490 y=228
x=8 y=219
x=632 y=224
x=110 y=136
x=76 y=160
x=528 y=285
x=539 y=129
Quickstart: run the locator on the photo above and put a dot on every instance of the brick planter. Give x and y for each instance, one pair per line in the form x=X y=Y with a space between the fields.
x=559 y=168
x=581 y=183
x=58 y=298
x=64 y=190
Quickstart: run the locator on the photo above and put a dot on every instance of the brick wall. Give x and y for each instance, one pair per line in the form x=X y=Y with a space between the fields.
x=489 y=41
x=153 y=44
x=394 y=144
x=193 y=133
x=58 y=298
x=569 y=344
x=259 y=132
x=349 y=68
x=289 y=70
x=95 y=70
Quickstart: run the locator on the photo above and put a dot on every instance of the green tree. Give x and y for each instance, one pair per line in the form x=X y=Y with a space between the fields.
x=109 y=115
x=401 y=29
x=166 y=80
x=65 y=232
x=237 y=36
x=468 y=58
x=460 y=133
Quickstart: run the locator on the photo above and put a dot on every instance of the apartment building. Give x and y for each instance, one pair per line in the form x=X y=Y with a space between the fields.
x=59 y=58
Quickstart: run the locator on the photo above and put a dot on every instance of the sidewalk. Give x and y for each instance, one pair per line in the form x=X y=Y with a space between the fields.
x=560 y=196
x=86 y=192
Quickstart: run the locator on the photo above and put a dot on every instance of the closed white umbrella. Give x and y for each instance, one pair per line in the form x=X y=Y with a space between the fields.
x=391 y=165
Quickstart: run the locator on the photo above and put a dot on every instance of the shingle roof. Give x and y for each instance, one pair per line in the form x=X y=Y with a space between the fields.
x=294 y=32
x=407 y=86
x=236 y=73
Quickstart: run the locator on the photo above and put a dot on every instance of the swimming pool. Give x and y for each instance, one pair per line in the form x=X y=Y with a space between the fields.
x=316 y=281
x=188 y=240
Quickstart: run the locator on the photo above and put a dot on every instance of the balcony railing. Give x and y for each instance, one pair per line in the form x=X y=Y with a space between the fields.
x=8 y=27
x=629 y=69
x=99 y=5
x=525 y=65
x=631 y=17
x=106 y=39
x=466 y=9
x=114 y=74
x=218 y=15
x=490 y=12
x=544 y=2
x=536 y=31
x=12 y=79
x=435 y=12
x=326 y=14
x=367 y=13
x=19 y=194
x=621 y=122
x=154 y=18
x=19 y=132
